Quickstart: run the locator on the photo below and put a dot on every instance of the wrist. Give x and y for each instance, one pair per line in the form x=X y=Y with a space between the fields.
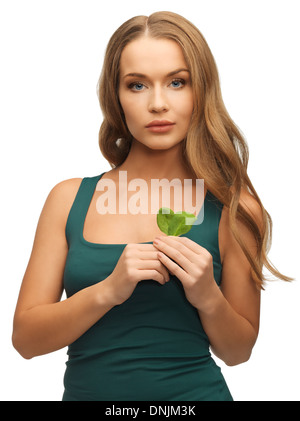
x=211 y=301
x=105 y=295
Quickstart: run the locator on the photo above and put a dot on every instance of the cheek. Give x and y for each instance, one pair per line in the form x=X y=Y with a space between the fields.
x=132 y=112
x=185 y=108
x=189 y=103
x=129 y=109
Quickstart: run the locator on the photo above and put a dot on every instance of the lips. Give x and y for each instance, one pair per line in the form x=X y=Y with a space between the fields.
x=157 y=123
x=160 y=126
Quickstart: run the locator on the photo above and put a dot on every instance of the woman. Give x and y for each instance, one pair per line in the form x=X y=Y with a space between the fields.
x=142 y=312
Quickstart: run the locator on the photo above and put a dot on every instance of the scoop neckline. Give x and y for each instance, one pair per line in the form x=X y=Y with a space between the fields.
x=103 y=245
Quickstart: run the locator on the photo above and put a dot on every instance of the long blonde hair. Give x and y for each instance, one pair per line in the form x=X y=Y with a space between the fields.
x=214 y=148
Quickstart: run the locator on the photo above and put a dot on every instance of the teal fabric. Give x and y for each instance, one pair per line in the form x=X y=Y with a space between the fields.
x=153 y=346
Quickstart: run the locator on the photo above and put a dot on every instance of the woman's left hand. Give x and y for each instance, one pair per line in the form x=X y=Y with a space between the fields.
x=192 y=265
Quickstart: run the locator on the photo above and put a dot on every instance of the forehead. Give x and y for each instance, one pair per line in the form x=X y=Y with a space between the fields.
x=151 y=55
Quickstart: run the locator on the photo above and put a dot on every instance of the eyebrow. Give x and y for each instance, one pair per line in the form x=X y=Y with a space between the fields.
x=168 y=75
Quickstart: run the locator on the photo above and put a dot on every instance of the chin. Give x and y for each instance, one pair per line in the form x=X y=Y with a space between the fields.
x=159 y=147
x=161 y=144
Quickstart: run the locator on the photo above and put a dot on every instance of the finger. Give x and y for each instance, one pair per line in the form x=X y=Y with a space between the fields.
x=164 y=271
x=177 y=252
x=154 y=264
x=146 y=251
x=144 y=247
x=192 y=245
x=148 y=255
x=184 y=245
x=152 y=274
x=175 y=269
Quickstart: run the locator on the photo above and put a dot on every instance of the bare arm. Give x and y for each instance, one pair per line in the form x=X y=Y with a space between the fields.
x=42 y=322
x=231 y=320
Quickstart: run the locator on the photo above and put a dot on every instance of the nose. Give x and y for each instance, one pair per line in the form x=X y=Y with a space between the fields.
x=157 y=101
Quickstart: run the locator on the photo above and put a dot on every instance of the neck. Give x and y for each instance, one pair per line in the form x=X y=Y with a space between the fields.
x=143 y=162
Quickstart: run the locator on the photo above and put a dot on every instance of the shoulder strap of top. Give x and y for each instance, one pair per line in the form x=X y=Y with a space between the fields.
x=215 y=203
x=212 y=215
x=80 y=206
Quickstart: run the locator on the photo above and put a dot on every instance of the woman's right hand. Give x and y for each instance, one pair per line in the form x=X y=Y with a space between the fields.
x=137 y=262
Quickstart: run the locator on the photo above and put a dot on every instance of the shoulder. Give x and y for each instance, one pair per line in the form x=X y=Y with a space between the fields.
x=226 y=237
x=252 y=207
x=65 y=190
x=60 y=199
x=250 y=204
x=50 y=240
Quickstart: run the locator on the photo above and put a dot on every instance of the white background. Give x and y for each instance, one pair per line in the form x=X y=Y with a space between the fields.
x=51 y=57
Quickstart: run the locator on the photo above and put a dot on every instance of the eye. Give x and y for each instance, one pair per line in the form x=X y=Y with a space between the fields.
x=136 y=86
x=177 y=83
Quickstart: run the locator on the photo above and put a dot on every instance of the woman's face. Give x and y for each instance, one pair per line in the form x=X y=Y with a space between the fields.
x=155 y=92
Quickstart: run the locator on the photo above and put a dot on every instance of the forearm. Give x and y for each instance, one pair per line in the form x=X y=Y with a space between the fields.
x=231 y=336
x=49 y=327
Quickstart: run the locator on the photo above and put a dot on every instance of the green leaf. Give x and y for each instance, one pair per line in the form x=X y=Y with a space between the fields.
x=172 y=223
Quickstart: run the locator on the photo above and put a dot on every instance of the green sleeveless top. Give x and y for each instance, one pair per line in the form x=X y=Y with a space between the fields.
x=152 y=347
